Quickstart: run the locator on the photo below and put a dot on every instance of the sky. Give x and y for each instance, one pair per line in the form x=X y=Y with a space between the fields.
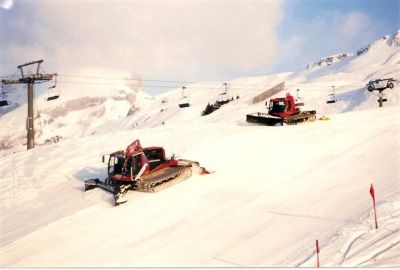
x=187 y=41
x=312 y=29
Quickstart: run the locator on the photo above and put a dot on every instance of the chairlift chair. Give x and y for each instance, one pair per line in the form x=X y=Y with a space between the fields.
x=3 y=101
x=53 y=93
x=50 y=98
x=184 y=102
x=332 y=97
x=382 y=96
x=299 y=100
x=223 y=97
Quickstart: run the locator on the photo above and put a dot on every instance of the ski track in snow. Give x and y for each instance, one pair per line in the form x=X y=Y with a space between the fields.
x=363 y=246
x=348 y=245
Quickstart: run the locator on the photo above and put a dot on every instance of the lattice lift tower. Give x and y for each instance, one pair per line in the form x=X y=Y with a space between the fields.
x=30 y=80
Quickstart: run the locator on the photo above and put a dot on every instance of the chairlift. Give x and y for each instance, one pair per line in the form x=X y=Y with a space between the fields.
x=382 y=97
x=332 y=97
x=53 y=93
x=223 y=97
x=380 y=84
x=299 y=100
x=3 y=101
x=184 y=102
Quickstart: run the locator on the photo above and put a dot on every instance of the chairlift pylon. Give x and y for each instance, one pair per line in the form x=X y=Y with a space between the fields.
x=53 y=93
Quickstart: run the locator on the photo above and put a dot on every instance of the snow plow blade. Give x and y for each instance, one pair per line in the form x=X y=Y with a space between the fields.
x=93 y=183
x=264 y=119
x=117 y=191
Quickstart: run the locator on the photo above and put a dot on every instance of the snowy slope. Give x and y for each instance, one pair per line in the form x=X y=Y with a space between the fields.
x=81 y=112
x=82 y=106
x=275 y=190
x=349 y=76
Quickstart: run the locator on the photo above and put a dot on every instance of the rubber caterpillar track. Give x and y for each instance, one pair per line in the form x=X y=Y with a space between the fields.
x=302 y=117
x=164 y=178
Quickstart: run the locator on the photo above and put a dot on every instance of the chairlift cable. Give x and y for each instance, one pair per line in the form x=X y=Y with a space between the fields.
x=166 y=81
x=232 y=84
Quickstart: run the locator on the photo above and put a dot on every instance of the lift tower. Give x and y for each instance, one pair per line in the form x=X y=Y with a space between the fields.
x=30 y=80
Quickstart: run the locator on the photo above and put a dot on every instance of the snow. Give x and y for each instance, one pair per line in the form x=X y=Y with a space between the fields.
x=76 y=113
x=275 y=190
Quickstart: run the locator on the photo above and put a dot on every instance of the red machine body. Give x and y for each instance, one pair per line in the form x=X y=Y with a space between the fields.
x=283 y=107
x=280 y=111
x=136 y=162
x=142 y=169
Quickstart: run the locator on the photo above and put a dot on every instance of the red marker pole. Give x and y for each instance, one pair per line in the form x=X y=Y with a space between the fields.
x=372 y=192
x=317 y=247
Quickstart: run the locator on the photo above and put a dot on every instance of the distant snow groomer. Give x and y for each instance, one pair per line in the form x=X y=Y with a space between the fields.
x=142 y=169
x=281 y=110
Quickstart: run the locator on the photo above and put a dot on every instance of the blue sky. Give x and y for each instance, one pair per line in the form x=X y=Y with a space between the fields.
x=318 y=27
x=193 y=40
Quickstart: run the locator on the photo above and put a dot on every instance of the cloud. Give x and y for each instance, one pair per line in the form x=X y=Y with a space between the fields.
x=351 y=25
x=6 y=4
x=324 y=34
x=188 y=40
x=293 y=48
